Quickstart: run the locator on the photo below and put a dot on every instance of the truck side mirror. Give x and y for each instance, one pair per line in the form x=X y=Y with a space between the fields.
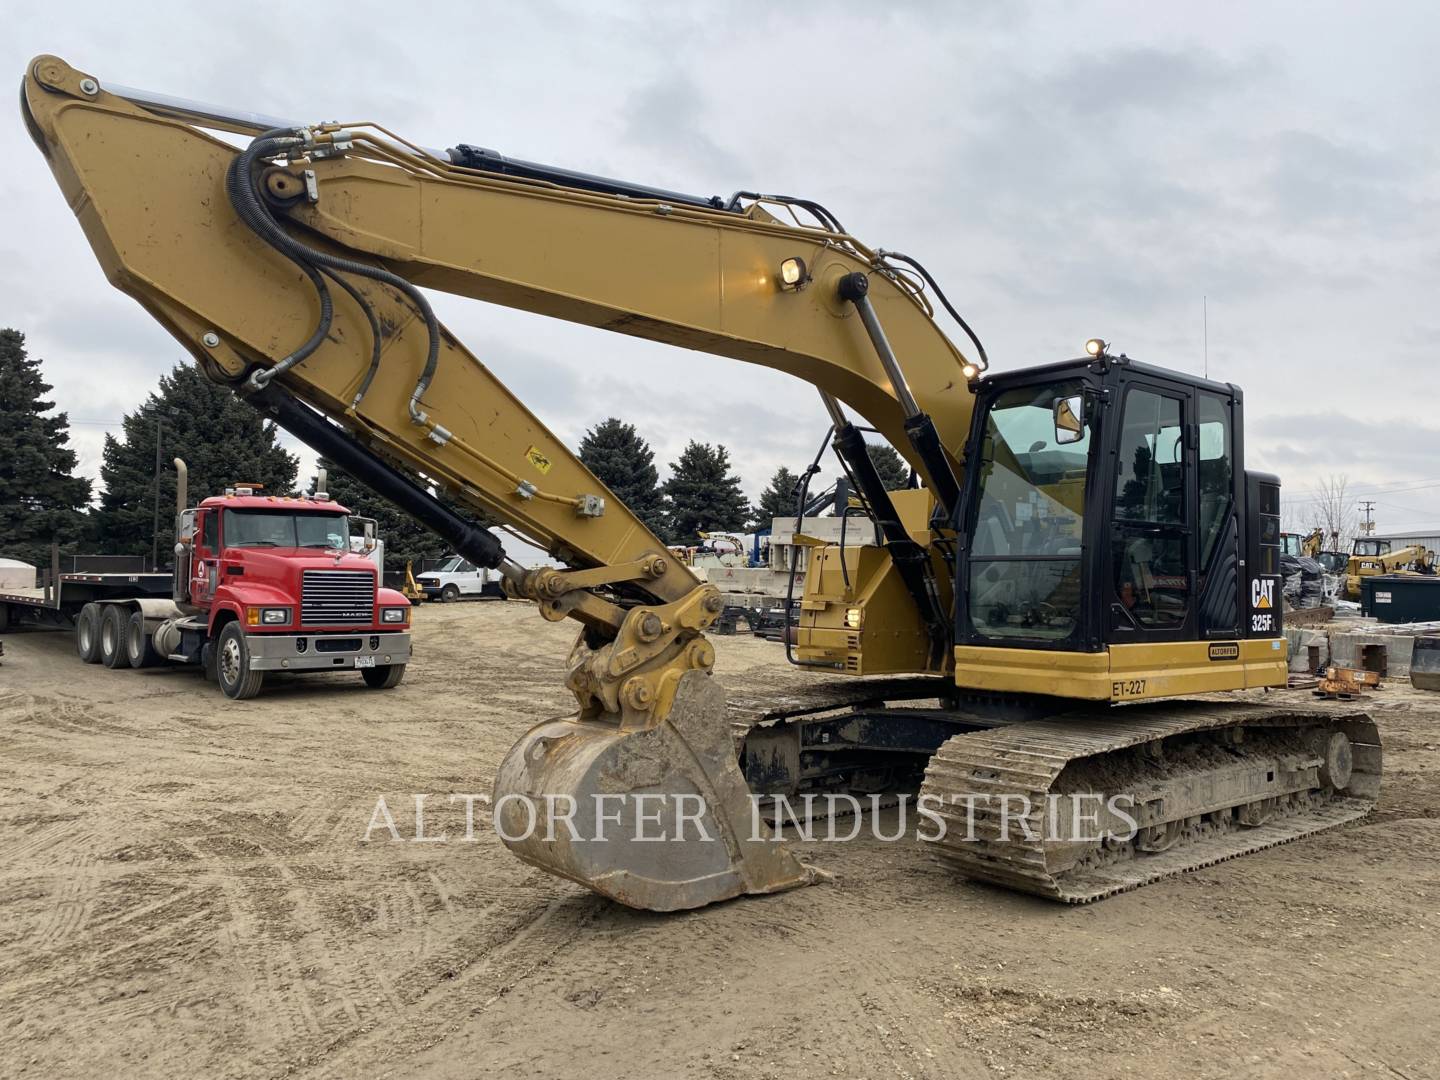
x=368 y=530
x=1069 y=419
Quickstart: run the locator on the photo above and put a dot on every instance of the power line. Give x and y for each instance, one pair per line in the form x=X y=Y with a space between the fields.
x=1393 y=489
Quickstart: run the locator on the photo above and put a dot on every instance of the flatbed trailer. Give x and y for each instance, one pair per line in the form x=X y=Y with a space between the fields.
x=63 y=597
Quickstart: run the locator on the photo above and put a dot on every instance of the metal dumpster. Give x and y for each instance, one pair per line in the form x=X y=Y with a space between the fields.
x=1401 y=598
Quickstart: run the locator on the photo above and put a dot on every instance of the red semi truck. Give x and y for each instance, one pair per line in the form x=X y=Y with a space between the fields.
x=261 y=583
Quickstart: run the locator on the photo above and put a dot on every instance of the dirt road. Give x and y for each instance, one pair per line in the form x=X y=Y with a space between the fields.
x=184 y=891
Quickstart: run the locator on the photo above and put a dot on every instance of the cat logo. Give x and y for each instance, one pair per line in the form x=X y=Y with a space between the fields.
x=1262 y=593
x=1229 y=651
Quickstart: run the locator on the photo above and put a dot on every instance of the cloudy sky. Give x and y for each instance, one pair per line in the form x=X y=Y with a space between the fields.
x=1065 y=169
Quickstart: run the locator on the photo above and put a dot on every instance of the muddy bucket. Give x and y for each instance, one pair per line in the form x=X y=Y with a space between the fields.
x=659 y=819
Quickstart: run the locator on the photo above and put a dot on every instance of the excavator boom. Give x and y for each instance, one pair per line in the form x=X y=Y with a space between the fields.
x=330 y=231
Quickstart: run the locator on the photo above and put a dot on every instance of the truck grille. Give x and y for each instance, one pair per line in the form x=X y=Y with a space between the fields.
x=337 y=597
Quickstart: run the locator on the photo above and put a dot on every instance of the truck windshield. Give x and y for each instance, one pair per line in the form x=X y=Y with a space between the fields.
x=277 y=528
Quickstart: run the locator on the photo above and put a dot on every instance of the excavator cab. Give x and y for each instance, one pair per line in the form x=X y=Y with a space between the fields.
x=1111 y=535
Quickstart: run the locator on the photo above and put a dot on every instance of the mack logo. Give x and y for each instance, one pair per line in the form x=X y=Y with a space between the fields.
x=1225 y=652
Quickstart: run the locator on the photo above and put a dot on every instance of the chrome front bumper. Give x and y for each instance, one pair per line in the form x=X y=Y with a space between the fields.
x=330 y=651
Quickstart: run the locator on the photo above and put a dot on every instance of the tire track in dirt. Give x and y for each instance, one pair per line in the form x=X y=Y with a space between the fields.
x=71 y=902
x=538 y=933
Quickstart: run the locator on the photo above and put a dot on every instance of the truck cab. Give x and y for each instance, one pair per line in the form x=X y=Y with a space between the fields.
x=270 y=583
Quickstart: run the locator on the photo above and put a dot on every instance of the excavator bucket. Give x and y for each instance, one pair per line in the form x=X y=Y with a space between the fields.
x=659 y=819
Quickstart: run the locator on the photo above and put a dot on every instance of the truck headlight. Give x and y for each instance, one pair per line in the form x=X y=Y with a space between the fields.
x=275 y=616
x=395 y=615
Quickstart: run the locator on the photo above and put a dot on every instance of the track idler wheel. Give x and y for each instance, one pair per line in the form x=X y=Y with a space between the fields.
x=659 y=818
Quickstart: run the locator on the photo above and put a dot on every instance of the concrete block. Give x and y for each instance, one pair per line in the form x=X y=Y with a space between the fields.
x=1349 y=651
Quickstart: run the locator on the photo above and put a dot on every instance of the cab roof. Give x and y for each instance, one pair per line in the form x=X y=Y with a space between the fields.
x=289 y=503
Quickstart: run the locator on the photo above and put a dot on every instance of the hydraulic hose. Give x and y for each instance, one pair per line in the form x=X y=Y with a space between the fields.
x=944 y=300
x=253 y=211
x=256 y=215
x=795 y=563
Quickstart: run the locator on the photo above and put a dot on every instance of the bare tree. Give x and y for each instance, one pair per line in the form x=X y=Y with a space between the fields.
x=1335 y=511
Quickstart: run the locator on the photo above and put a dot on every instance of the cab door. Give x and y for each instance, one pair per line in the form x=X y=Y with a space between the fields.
x=1148 y=578
x=469 y=577
x=205 y=562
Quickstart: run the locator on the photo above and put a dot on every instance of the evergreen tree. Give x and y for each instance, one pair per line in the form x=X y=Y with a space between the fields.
x=894 y=473
x=41 y=501
x=625 y=464
x=704 y=494
x=777 y=500
x=406 y=540
x=222 y=440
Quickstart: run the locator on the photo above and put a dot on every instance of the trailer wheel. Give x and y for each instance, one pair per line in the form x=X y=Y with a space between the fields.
x=384 y=677
x=450 y=593
x=87 y=633
x=114 y=622
x=238 y=680
x=139 y=646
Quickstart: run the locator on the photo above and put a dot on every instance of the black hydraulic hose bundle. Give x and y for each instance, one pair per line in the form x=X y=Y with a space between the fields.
x=255 y=214
x=240 y=184
x=944 y=301
x=475 y=543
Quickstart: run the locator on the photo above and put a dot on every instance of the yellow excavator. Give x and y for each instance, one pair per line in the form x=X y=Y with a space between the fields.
x=1081 y=539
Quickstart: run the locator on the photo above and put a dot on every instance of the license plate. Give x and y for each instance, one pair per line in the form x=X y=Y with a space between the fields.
x=364 y=661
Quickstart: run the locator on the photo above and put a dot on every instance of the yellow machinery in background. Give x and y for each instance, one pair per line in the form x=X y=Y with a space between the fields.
x=1080 y=534
x=411 y=589
x=1370 y=557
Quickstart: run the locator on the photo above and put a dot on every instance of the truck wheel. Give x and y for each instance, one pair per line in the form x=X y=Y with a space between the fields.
x=114 y=621
x=450 y=593
x=237 y=679
x=87 y=633
x=139 y=646
x=384 y=677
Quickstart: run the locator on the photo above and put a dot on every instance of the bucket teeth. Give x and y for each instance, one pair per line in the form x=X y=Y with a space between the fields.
x=659 y=819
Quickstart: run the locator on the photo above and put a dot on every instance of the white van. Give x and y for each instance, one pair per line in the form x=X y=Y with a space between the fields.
x=458 y=577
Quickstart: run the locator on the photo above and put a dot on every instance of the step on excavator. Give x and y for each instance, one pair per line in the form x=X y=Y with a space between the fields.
x=1081 y=550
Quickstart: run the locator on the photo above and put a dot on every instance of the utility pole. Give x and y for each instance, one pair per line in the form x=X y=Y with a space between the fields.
x=1368 y=525
x=1205 y=330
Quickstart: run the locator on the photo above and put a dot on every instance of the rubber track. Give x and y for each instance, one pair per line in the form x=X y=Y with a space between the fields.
x=1027 y=758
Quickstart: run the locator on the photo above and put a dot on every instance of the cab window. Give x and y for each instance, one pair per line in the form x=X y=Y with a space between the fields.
x=1214 y=471
x=1148 y=534
x=1027 y=533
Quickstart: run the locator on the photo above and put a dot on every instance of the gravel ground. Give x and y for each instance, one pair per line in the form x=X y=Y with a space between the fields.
x=186 y=893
